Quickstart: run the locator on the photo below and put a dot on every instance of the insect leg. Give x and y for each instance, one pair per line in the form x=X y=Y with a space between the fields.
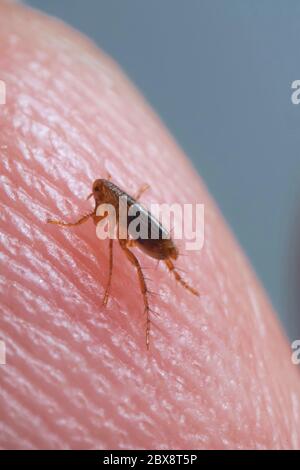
x=132 y=258
x=68 y=224
x=106 y=294
x=172 y=269
x=141 y=191
x=131 y=243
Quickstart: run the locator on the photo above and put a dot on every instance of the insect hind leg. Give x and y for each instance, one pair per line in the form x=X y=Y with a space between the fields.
x=170 y=265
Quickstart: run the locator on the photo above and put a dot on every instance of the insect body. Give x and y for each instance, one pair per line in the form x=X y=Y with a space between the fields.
x=161 y=247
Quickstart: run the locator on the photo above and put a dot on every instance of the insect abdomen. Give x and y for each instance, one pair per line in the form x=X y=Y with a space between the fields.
x=149 y=233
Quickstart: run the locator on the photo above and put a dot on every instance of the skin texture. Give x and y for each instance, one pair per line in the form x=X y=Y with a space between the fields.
x=78 y=375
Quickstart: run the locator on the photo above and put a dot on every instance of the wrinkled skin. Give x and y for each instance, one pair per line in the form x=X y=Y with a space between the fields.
x=78 y=375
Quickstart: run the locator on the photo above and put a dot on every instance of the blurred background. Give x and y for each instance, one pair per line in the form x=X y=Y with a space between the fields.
x=219 y=74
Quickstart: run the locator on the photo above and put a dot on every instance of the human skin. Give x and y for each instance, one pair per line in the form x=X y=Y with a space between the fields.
x=78 y=375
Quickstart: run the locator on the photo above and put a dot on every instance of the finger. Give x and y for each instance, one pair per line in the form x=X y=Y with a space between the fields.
x=78 y=375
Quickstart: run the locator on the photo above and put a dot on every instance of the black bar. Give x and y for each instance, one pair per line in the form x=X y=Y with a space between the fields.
x=136 y=458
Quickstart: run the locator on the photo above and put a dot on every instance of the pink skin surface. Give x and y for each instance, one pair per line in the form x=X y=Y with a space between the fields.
x=78 y=375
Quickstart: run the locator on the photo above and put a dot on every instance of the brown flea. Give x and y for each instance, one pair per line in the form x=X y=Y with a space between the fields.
x=161 y=247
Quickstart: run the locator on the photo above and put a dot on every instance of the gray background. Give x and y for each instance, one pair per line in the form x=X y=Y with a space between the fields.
x=219 y=73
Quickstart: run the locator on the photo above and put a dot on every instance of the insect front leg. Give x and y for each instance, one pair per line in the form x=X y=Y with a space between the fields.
x=97 y=219
x=106 y=294
x=133 y=259
x=70 y=224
